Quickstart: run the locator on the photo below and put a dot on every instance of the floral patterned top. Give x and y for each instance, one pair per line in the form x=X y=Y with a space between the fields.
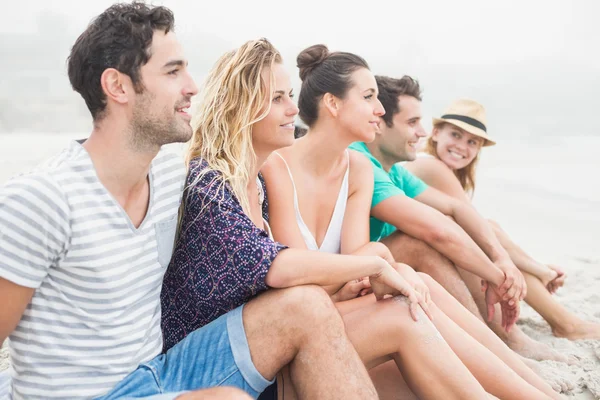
x=221 y=258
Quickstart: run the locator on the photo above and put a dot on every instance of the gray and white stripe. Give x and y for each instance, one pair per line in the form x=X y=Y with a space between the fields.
x=95 y=315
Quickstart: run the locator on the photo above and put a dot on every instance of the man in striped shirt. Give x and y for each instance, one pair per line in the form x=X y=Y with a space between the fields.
x=85 y=240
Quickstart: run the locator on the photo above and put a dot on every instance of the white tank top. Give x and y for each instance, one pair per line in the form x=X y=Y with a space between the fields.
x=333 y=235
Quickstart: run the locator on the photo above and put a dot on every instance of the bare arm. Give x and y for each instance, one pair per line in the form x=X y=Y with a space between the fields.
x=355 y=229
x=437 y=175
x=297 y=265
x=293 y=267
x=468 y=218
x=451 y=200
x=429 y=225
x=14 y=300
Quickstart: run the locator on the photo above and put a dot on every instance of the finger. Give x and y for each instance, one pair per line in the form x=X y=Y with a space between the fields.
x=490 y=312
x=425 y=308
x=523 y=288
x=510 y=293
x=511 y=322
x=414 y=302
x=508 y=282
x=357 y=287
x=413 y=307
x=484 y=285
x=517 y=297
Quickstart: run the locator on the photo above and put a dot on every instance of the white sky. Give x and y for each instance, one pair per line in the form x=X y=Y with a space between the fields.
x=478 y=48
x=446 y=31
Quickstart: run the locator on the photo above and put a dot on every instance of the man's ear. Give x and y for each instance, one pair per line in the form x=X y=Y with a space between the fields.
x=116 y=86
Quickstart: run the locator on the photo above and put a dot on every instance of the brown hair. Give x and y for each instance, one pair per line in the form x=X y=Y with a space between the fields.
x=323 y=72
x=389 y=91
x=119 y=38
x=466 y=175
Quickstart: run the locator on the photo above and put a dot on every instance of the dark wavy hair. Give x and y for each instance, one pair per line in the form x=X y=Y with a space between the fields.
x=118 y=38
x=389 y=91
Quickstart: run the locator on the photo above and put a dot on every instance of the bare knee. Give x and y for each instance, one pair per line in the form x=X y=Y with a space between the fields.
x=221 y=393
x=395 y=315
x=307 y=307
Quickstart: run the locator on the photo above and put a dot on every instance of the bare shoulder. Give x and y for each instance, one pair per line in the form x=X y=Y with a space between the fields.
x=437 y=175
x=358 y=161
x=427 y=165
x=274 y=166
x=276 y=176
x=361 y=171
x=430 y=170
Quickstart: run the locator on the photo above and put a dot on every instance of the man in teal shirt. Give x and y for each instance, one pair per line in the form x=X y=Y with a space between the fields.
x=398 y=181
x=411 y=218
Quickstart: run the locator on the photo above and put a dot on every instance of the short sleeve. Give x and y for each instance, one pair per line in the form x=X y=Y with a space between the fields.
x=411 y=184
x=384 y=187
x=34 y=228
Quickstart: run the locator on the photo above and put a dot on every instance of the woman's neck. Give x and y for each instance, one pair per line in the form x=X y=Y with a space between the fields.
x=321 y=148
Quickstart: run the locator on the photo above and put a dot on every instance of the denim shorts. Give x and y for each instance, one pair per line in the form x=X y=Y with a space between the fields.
x=215 y=355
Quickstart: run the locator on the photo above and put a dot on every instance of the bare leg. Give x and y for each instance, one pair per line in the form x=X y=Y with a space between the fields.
x=300 y=326
x=516 y=339
x=495 y=376
x=424 y=258
x=220 y=393
x=480 y=332
x=389 y=382
x=562 y=321
x=383 y=330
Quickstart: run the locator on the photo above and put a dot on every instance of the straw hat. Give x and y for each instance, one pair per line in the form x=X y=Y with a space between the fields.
x=468 y=115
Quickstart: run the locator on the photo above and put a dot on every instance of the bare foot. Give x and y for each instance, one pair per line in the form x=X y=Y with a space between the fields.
x=578 y=330
x=529 y=348
x=550 y=374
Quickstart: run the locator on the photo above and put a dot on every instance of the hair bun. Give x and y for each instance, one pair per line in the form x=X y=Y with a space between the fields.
x=310 y=58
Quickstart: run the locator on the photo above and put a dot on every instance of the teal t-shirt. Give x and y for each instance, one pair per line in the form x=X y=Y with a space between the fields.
x=398 y=181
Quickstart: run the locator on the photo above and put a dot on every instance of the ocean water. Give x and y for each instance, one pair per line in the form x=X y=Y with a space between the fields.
x=544 y=192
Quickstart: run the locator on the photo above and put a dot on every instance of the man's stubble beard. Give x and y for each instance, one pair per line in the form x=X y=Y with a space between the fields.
x=149 y=131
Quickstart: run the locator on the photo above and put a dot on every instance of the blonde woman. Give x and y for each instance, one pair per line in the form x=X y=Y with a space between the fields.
x=449 y=164
x=320 y=195
x=225 y=258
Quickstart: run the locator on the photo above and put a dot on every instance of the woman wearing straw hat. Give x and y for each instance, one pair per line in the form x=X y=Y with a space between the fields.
x=454 y=145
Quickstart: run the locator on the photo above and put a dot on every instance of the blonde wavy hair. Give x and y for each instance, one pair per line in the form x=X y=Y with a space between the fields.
x=232 y=101
x=466 y=175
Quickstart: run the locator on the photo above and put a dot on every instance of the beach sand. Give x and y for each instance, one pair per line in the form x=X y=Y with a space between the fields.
x=553 y=227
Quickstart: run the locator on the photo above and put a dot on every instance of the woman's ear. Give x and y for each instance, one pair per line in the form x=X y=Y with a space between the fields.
x=435 y=132
x=331 y=104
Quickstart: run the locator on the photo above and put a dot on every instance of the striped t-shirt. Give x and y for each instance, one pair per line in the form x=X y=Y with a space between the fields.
x=95 y=315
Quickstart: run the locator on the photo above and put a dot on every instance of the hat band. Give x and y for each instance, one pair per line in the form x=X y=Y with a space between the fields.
x=465 y=119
